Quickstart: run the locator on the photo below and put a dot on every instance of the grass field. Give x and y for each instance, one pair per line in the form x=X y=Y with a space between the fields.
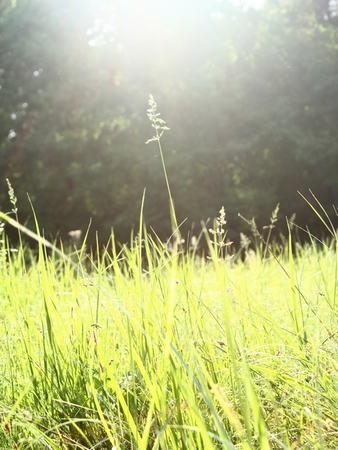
x=150 y=348
x=147 y=346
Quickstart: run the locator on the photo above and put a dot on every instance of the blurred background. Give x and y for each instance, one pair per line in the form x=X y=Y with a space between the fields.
x=248 y=89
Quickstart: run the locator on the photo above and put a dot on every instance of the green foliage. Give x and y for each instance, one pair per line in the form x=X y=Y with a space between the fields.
x=250 y=97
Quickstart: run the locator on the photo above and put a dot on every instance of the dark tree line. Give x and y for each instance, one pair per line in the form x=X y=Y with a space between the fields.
x=251 y=98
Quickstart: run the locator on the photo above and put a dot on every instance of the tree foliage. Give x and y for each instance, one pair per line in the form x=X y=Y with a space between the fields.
x=249 y=95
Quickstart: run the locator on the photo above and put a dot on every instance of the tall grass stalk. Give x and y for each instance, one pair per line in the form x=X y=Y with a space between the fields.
x=159 y=125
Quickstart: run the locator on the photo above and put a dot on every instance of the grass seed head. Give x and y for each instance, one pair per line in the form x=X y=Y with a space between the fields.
x=157 y=122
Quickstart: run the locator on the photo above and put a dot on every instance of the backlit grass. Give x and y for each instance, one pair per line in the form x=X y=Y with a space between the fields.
x=146 y=348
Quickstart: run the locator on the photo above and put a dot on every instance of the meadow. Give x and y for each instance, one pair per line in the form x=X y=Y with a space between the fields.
x=156 y=345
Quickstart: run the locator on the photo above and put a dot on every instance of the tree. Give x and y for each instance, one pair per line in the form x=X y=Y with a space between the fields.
x=249 y=97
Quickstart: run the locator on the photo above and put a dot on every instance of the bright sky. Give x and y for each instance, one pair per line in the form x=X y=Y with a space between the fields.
x=250 y=3
x=142 y=21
